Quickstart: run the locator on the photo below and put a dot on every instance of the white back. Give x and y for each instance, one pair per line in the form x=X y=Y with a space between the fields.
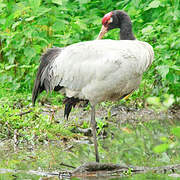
x=86 y=68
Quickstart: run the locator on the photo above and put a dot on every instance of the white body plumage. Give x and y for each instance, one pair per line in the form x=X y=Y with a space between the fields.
x=99 y=70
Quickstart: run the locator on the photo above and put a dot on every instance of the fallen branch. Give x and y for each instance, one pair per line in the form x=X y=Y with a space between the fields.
x=105 y=169
x=101 y=170
x=90 y=167
x=21 y=114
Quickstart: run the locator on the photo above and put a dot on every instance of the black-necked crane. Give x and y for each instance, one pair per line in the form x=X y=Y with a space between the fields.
x=97 y=70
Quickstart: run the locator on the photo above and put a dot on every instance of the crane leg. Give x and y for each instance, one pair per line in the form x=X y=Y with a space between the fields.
x=93 y=125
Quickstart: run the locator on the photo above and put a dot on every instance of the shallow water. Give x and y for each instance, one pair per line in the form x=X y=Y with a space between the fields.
x=124 y=144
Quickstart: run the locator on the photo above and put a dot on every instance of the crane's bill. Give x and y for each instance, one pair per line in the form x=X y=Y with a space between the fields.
x=102 y=32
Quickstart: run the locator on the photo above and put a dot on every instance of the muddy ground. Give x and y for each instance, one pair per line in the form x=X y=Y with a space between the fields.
x=117 y=113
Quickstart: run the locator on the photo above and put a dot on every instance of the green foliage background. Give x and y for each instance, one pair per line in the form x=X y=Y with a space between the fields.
x=29 y=27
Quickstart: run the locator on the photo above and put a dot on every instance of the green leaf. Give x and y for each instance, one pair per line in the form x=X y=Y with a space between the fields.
x=165 y=158
x=35 y=4
x=164 y=139
x=83 y=1
x=176 y=44
x=170 y=77
x=75 y=26
x=2 y=5
x=10 y=66
x=11 y=58
x=38 y=48
x=42 y=11
x=30 y=18
x=29 y=52
x=2 y=21
x=163 y=70
x=147 y=29
x=154 y=101
x=42 y=39
x=16 y=24
x=176 y=131
x=59 y=25
x=161 y=148
x=81 y=24
x=153 y=4
x=177 y=68
x=25 y=66
x=169 y=100
x=59 y=2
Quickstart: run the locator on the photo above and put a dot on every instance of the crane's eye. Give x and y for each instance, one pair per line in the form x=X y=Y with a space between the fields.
x=108 y=21
x=111 y=20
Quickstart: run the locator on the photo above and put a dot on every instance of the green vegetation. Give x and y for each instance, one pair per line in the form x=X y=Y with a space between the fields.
x=135 y=144
x=29 y=27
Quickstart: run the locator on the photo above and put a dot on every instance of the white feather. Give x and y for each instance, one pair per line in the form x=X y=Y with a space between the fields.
x=101 y=69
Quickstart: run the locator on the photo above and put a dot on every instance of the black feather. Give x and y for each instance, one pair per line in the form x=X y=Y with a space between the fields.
x=69 y=103
x=46 y=59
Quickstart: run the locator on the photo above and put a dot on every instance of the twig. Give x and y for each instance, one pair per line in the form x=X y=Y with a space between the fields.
x=21 y=114
x=1 y=53
x=52 y=154
x=16 y=142
x=69 y=148
x=66 y=165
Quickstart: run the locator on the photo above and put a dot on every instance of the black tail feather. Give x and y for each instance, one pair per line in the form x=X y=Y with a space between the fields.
x=67 y=110
x=46 y=59
x=69 y=103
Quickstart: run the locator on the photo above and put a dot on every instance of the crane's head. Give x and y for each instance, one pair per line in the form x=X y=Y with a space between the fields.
x=114 y=19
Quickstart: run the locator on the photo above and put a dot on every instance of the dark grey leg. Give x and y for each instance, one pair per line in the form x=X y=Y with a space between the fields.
x=93 y=125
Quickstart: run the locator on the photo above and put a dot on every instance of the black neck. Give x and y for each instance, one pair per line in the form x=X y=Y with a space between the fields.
x=126 y=33
x=123 y=22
